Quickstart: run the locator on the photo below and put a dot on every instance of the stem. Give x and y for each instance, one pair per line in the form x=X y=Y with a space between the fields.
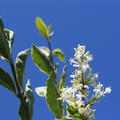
x=83 y=85
x=20 y=95
x=15 y=77
x=83 y=92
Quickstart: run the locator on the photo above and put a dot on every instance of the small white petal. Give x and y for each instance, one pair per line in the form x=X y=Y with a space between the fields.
x=107 y=90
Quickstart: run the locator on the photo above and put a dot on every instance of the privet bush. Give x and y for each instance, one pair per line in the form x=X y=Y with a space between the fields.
x=65 y=102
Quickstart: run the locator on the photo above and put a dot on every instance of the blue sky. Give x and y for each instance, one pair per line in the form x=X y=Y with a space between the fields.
x=94 y=23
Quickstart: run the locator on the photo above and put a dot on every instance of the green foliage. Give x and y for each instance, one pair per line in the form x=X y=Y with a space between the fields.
x=10 y=38
x=22 y=113
x=41 y=26
x=50 y=34
x=63 y=78
x=1 y=24
x=67 y=118
x=28 y=101
x=6 y=41
x=73 y=112
x=43 y=29
x=59 y=54
x=41 y=59
x=52 y=97
x=4 y=48
x=20 y=65
x=7 y=81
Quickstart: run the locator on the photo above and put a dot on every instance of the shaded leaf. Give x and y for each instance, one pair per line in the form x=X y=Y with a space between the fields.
x=59 y=54
x=20 y=65
x=41 y=26
x=29 y=101
x=52 y=97
x=41 y=59
x=21 y=112
x=63 y=77
x=29 y=98
x=7 y=81
x=1 y=24
x=4 y=47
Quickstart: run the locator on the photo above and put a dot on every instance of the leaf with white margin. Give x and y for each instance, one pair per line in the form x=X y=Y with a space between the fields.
x=41 y=91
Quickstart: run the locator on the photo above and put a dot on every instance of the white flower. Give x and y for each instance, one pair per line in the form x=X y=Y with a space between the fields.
x=95 y=76
x=80 y=103
x=78 y=87
x=41 y=91
x=79 y=51
x=81 y=59
x=76 y=74
x=89 y=113
x=107 y=90
x=67 y=94
x=99 y=91
x=84 y=67
x=99 y=86
x=86 y=86
x=79 y=97
x=78 y=94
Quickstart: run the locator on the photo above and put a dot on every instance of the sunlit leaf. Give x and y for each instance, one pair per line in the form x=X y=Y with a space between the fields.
x=20 y=65
x=10 y=38
x=42 y=27
x=41 y=59
x=52 y=97
x=59 y=54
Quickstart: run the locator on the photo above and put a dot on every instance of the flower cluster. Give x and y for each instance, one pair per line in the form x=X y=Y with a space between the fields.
x=99 y=91
x=81 y=59
x=77 y=96
x=84 y=91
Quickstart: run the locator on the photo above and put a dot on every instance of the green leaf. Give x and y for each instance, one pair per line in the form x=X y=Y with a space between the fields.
x=50 y=34
x=21 y=112
x=29 y=98
x=4 y=48
x=28 y=103
x=49 y=28
x=68 y=118
x=10 y=38
x=59 y=54
x=6 y=80
x=41 y=59
x=1 y=24
x=46 y=51
x=73 y=112
x=63 y=77
x=20 y=65
x=52 y=97
x=41 y=26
